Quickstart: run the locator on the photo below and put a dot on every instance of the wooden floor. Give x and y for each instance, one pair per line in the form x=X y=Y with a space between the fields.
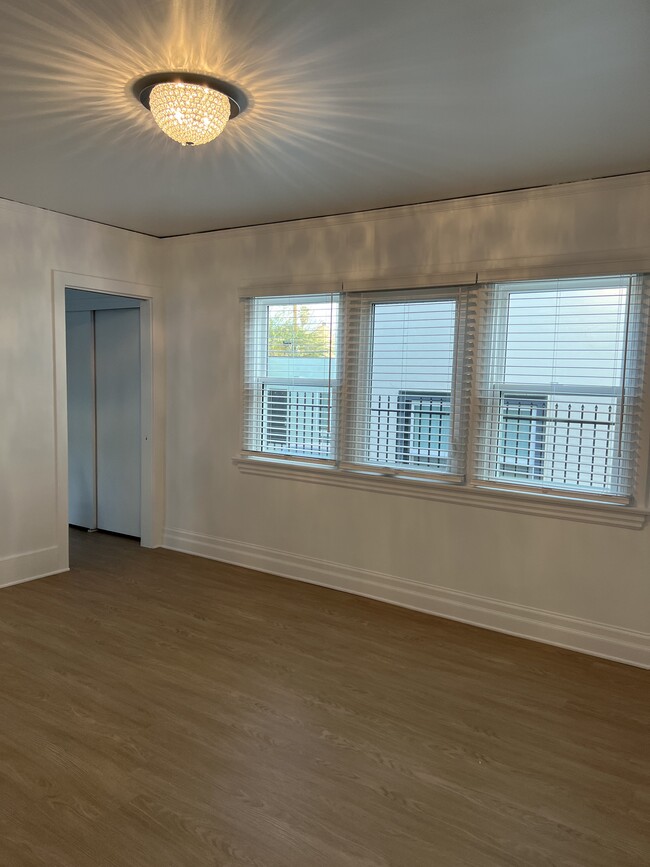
x=159 y=710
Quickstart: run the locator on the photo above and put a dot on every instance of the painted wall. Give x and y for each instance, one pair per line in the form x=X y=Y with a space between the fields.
x=33 y=243
x=578 y=584
x=118 y=413
x=82 y=468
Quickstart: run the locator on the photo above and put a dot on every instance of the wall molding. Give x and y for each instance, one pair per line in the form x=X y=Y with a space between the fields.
x=30 y=565
x=418 y=209
x=584 y=636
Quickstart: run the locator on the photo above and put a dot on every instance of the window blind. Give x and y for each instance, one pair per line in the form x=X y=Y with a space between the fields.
x=406 y=384
x=290 y=376
x=560 y=386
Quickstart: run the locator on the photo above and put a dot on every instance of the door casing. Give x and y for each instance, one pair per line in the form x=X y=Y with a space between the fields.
x=152 y=410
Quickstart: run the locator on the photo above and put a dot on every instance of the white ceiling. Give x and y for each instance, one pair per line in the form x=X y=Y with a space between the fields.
x=357 y=104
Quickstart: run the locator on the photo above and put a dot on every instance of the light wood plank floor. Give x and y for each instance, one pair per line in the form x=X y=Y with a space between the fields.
x=159 y=710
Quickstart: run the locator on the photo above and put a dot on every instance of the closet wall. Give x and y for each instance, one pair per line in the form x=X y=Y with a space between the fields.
x=103 y=377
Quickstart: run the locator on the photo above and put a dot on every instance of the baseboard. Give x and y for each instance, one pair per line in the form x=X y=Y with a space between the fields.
x=30 y=565
x=584 y=636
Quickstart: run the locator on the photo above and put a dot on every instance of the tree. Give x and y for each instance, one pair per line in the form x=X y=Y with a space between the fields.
x=294 y=332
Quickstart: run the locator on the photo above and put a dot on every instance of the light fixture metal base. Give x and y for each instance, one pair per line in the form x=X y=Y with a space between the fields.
x=141 y=88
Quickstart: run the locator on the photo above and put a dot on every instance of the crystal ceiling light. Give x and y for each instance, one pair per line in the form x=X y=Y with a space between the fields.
x=190 y=108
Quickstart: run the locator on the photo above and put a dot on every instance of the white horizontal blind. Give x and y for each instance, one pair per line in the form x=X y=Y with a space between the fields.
x=406 y=384
x=290 y=376
x=560 y=386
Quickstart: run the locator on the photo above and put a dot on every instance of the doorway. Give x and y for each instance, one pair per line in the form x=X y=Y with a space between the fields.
x=104 y=411
x=143 y=468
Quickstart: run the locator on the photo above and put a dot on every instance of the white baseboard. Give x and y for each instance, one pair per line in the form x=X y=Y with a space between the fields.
x=585 y=636
x=29 y=566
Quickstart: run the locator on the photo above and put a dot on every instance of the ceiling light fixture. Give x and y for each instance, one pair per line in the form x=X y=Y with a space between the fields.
x=189 y=107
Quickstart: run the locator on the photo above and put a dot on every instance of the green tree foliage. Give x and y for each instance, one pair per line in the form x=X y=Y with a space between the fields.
x=294 y=333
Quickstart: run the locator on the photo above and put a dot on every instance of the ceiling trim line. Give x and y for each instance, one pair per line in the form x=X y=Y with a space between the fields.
x=13 y=204
x=557 y=190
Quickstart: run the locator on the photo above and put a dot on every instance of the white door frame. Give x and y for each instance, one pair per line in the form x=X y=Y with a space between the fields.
x=152 y=417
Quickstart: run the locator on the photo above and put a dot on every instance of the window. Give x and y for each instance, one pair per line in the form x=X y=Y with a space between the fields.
x=276 y=417
x=296 y=420
x=521 y=450
x=290 y=375
x=390 y=383
x=404 y=383
x=425 y=430
x=560 y=391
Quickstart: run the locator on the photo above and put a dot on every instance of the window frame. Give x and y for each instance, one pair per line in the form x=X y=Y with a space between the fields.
x=628 y=512
x=493 y=332
x=357 y=367
x=256 y=330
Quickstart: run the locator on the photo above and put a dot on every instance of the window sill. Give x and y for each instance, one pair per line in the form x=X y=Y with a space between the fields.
x=584 y=511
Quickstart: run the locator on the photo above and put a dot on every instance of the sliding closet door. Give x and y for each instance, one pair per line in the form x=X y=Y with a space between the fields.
x=80 y=350
x=117 y=384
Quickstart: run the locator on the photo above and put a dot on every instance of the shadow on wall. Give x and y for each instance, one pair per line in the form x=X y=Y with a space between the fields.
x=541 y=227
x=33 y=242
x=545 y=227
x=27 y=421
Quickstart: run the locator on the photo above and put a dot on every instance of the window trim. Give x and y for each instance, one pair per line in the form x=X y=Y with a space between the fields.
x=623 y=512
x=491 y=330
x=436 y=489
x=358 y=331
x=255 y=329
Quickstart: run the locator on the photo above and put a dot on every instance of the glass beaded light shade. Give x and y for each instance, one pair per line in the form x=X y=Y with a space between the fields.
x=191 y=114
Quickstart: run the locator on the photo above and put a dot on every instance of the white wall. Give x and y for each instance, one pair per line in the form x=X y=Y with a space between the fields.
x=577 y=584
x=82 y=468
x=118 y=415
x=33 y=243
